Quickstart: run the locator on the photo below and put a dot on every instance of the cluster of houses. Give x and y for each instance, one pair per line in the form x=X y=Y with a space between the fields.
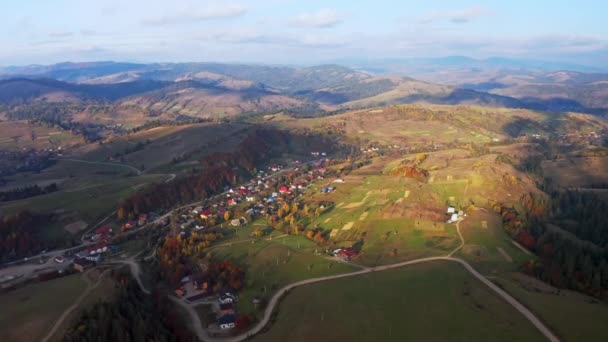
x=141 y=220
x=199 y=288
x=454 y=215
x=254 y=199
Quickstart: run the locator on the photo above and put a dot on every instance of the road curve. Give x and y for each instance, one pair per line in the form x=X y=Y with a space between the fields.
x=277 y=296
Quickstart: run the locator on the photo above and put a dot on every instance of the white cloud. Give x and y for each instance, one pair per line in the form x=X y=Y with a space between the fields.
x=86 y=32
x=63 y=34
x=193 y=15
x=323 y=18
x=456 y=17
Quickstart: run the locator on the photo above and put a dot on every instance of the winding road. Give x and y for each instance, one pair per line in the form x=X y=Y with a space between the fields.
x=274 y=301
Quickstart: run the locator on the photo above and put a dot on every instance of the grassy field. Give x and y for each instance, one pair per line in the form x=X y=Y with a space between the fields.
x=399 y=218
x=89 y=204
x=158 y=146
x=428 y=302
x=17 y=135
x=26 y=314
x=275 y=263
x=572 y=316
x=487 y=246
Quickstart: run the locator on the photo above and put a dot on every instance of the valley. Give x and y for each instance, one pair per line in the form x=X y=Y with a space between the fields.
x=365 y=221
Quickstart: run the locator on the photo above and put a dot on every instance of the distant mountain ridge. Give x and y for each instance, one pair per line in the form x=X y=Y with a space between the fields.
x=216 y=89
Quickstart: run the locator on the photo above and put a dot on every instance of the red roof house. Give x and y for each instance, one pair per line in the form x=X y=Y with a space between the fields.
x=104 y=230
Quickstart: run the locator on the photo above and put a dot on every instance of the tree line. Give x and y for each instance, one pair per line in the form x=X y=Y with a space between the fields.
x=568 y=233
x=27 y=192
x=221 y=169
x=21 y=234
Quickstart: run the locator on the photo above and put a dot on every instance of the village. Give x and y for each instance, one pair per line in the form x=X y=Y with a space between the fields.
x=238 y=206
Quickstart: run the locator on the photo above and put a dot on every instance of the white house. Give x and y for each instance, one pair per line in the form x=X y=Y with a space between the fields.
x=451 y=210
x=453 y=218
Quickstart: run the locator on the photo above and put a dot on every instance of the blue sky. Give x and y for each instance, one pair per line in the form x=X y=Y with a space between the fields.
x=300 y=32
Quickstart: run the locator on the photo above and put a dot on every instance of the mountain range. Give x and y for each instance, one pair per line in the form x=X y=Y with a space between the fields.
x=136 y=92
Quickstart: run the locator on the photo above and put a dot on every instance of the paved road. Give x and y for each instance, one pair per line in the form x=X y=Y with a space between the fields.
x=202 y=335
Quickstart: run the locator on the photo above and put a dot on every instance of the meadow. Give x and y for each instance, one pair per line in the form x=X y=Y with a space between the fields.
x=26 y=314
x=421 y=297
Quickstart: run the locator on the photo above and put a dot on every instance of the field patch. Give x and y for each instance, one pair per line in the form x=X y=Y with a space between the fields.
x=76 y=227
x=353 y=205
x=363 y=216
x=348 y=226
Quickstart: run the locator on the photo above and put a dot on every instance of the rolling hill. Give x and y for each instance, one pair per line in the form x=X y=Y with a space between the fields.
x=135 y=93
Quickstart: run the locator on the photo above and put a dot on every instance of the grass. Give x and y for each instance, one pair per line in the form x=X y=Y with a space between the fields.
x=273 y=264
x=29 y=312
x=428 y=302
x=19 y=135
x=91 y=203
x=482 y=243
x=162 y=144
x=572 y=316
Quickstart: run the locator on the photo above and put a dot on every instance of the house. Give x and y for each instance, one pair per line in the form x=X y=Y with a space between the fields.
x=453 y=218
x=103 y=230
x=451 y=210
x=284 y=190
x=201 y=283
x=97 y=249
x=339 y=180
x=348 y=253
x=82 y=264
x=232 y=201
x=235 y=223
x=226 y=322
x=205 y=214
x=143 y=219
x=226 y=297
x=60 y=259
x=226 y=309
x=197 y=210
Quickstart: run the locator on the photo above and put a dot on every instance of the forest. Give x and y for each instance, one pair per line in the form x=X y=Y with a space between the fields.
x=130 y=316
x=559 y=229
x=20 y=234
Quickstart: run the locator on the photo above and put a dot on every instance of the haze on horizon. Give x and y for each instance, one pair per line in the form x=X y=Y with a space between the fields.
x=298 y=32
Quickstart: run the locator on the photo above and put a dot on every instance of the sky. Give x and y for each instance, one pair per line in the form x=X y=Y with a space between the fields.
x=300 y=31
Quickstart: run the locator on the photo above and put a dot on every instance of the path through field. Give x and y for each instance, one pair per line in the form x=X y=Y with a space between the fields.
x=66 y=313
x=202 y=334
